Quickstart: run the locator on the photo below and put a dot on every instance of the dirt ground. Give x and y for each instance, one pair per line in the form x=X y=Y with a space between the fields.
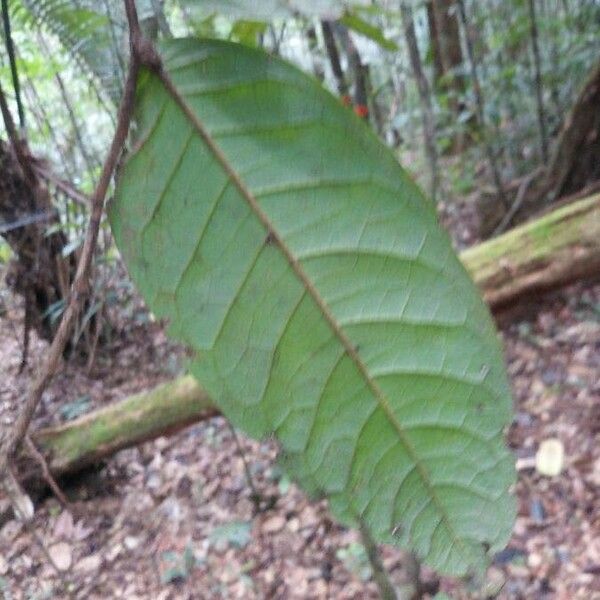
x=174 y=518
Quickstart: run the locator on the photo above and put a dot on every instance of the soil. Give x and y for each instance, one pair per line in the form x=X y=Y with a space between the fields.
x=175 y=518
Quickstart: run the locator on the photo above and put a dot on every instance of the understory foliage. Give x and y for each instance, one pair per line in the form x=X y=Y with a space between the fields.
x=87 y=43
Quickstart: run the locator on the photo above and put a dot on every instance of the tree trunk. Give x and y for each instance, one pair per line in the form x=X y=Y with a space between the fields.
x=424 y=95
x=334 y=61
x=573 y=170
x=539 y=92
x=434 y=43
x=576 y=160
x=479 y=107
x=540 y=256
x=359 y=71
x=452 y=79
x=445 y=14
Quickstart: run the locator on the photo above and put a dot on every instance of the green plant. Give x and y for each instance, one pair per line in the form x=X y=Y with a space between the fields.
x=5 y=252
x=237 y=534
x=91 y=35
x=285 y=245
x=176 y=566
x=354 y=557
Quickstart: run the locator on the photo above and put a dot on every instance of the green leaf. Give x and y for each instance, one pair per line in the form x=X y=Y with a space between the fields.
x=247 y=32
x=75 y=409
x=267 y=10
x=175 y=566
x=237 y=534
x=85 y=33
x=5 y=252
x=354 y=557
x=286 y=245
x=358 y=24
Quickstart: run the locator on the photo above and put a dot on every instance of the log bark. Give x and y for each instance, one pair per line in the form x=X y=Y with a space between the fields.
x=88 y=439
x=575 y=162
x=557 y=249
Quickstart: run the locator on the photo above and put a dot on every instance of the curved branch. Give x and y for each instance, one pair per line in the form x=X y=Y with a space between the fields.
x=80 y=286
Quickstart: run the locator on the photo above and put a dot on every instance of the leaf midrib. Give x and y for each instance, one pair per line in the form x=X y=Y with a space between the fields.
x=306 y=282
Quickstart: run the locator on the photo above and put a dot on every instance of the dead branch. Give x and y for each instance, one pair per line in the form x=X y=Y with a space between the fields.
x=15 y=436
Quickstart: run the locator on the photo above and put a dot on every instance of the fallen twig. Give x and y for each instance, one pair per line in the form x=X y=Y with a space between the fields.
x=516 y=205
x=39 y=458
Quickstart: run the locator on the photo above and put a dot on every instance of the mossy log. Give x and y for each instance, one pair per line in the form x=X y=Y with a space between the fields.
x=554 y=250
x=90 y=438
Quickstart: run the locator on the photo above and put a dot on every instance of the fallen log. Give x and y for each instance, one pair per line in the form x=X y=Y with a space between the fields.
x=88 y=439
x=545 y=254
x=552 y=251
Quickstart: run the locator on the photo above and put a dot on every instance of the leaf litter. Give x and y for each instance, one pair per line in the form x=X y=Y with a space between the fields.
x=174 y=518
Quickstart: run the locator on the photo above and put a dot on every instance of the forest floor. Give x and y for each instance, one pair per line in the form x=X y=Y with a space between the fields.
x=174 y=518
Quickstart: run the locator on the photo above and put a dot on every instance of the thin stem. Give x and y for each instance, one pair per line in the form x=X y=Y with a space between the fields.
x=479 y=106
x=358 y=69
x=90 y=163
x=249 y=479
x=118 y=60
x=35 y=105
x=380 y=576
x=66 y=188
x=161 y=19
x=541 y=113
x=412 y=571
x=424 y=95
x=39 y=458
x=10 y=49
x=334 y=59
x=313 y=49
